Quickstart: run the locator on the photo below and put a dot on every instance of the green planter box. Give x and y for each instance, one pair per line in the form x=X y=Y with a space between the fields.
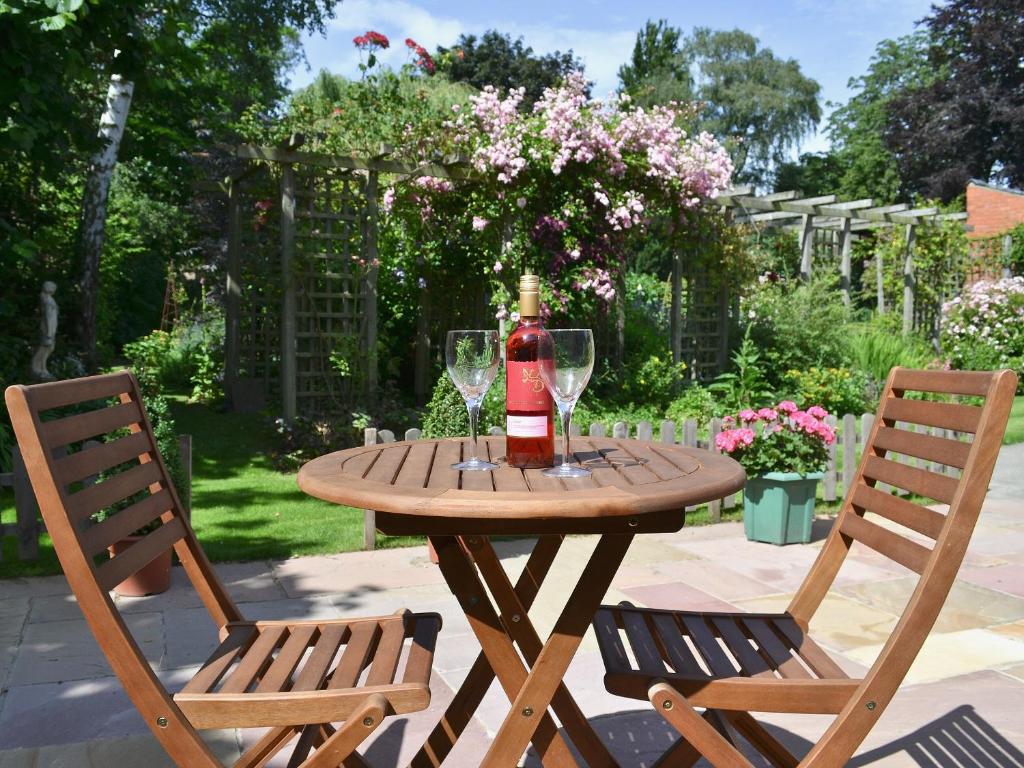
x=778 y=508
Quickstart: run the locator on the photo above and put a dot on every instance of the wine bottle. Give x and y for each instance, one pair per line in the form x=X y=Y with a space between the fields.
x=529 y=409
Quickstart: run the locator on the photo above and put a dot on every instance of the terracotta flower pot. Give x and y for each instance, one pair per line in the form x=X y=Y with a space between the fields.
x=152 y=579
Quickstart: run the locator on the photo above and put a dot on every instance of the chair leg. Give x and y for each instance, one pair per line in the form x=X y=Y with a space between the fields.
x=696 y=729
x=761 y=739
x=353 y=732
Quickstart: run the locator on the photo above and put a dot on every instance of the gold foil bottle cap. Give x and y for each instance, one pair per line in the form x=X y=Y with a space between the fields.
x=529 y=295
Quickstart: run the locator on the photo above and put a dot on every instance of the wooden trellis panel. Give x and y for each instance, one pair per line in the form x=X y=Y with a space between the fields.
x=328 y=268
x=705 y=332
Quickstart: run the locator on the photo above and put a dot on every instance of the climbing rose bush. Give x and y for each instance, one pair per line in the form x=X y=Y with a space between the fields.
x=560 y=188
x=780 y=439
x=984 y=327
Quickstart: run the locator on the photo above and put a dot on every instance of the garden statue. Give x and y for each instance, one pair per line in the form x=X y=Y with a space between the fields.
x=47 y=331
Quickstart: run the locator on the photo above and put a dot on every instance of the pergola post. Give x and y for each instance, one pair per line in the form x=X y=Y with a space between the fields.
x=845 y=247
x=909 y=281
x=806 y=247
x=371 y=288
x=880 y=281
x=288 y=341
x=232 y=293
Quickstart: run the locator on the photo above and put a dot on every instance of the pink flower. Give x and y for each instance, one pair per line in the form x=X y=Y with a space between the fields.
x=480 y=223
x=748 y=415
x=521 y=202
x=497 y=266
x=728 y=421
x=745 y=436
x=768 y=414
x=787 y=406
x=817 y=412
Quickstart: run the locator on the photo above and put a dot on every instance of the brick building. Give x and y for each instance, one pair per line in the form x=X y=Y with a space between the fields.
x=991 y=209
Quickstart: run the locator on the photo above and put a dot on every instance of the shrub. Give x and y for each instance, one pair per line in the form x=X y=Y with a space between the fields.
x=696 y=403
x=984 y=328
x=876 y=350
x=655 y=382
x=446 y=414
x=837 y=390
x=746 y=382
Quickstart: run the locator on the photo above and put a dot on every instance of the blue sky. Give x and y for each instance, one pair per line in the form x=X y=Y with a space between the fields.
x=832 y=39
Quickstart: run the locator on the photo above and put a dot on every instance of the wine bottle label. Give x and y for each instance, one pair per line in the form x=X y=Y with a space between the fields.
x=526 y=426
x=525 y=390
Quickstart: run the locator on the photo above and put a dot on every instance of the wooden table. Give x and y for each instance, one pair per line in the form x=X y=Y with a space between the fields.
x=635 y=488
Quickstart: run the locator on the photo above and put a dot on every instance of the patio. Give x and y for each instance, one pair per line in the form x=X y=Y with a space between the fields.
x=960 y=705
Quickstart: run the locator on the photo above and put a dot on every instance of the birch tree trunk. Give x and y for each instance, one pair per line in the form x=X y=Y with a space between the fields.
x=94 y=203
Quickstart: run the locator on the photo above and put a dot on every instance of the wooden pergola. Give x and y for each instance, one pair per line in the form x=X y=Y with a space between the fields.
x=842 y=219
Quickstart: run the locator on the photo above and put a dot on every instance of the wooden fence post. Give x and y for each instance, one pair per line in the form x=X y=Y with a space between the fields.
x=715 y=506
x=369 y=515
x=849 y=451
x=645 y=431
x=620 y=430
x=288 y=330
x=596 y=430
x=880 y=281
x=26 y=509
x=668 y=432
x=830 y=470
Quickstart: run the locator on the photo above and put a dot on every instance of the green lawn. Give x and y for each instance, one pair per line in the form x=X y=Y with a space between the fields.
x=1015 y=428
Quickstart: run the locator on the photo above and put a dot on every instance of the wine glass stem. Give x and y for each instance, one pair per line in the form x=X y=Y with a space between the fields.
x=566 y=414
x=474 y=416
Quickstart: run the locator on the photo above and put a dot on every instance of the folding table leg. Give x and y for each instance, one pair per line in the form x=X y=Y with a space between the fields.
x=517 y=622
x=497 y=646
x=467 y=699
x=535 y=694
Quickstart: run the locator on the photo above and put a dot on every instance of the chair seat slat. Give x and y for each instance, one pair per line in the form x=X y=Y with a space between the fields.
x=276 y=678
x=648 y=658
x=57 y=394
x=358 y=651
x=234 y=645
x=82 y=426
x=975 y=383
x=812 y=653
x=708 y=646
x=98 y=537
x=612 y=651
x=315 y=670
x=389 y=651
x=925 y=521
x=941 y=450
x=255 y=661
x=907 y=553
x=421 y=652
x=679 y=654
x=83 y=464
x=140 y=554
x=962 y=418
x=923 y=482
x=739 y=646
x=121 y=486
x=769 y=643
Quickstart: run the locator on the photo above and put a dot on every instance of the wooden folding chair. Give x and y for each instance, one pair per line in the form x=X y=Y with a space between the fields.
x=731 y=664
x=297 y=678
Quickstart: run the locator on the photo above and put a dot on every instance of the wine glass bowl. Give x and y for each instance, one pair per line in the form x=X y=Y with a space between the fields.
x=472 y=359
x=566 y=376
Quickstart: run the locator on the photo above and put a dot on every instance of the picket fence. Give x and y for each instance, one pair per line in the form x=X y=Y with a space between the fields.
x=843 y=455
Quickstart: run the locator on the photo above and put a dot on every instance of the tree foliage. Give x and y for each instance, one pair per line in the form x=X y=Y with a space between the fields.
x=761 y=104
x=496 y=59
x=967 y=121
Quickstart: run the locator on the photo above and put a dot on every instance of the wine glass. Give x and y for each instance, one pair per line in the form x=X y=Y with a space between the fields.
x=572 y=362
x=473 y=358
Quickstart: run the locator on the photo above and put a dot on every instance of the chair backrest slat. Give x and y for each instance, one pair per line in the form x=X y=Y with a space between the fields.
x=940 y=450
x=956 y=416
x=923 y=482
x=925 y=521
x=82 y=426
x=105 y=456
x=97 y=538
x=974 y=383
x=98 y=496
x=140 y=554
x=904 y=551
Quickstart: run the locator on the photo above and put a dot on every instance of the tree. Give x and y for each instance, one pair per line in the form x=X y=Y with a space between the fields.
x=656 y=73
x=496 y=59
x=856 y=129
x=813 y=174
x=968 y=121
x=762 y=105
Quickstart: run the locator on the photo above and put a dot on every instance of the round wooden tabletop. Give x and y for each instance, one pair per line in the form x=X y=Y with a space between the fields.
x=634 y=487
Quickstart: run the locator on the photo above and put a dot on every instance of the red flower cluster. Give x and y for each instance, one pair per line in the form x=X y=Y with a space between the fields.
x=423 y=59
x=371 y=40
